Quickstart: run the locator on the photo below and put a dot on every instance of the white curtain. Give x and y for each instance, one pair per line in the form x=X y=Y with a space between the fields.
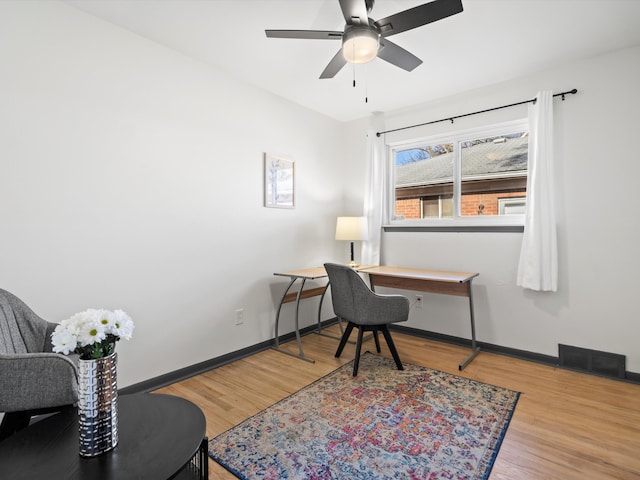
x=538 y=267
x=375 y=191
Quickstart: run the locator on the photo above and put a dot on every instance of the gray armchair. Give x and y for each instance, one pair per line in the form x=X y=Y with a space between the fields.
x=356 y=303
x=33 y=379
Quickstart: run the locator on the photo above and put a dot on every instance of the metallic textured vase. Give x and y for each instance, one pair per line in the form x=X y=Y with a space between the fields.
x=98 y=405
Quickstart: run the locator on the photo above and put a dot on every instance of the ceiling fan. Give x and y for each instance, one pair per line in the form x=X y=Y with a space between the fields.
x=364 y=39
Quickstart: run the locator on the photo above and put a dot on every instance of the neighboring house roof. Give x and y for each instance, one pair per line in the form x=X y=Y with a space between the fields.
x=481 y=161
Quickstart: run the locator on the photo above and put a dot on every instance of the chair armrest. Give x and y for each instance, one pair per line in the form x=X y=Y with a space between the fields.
x=37 y=380
x=391 y=308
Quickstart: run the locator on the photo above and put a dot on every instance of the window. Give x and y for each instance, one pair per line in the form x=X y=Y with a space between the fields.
x=469 y=177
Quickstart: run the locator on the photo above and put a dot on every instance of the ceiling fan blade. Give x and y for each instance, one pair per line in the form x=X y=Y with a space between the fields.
x=312 y=34
x=418 y=16
x=335 y=65
x=355 y=12
x=397 y=55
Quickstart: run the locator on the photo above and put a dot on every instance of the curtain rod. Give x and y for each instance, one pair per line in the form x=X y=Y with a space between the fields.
x=451 y=119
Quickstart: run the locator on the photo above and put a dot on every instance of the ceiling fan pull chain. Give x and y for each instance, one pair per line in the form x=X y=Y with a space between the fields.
x=354 y=69
x=366 y=83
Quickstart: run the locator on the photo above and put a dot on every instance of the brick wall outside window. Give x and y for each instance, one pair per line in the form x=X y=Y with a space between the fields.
x=471 y=202
x=409 y=208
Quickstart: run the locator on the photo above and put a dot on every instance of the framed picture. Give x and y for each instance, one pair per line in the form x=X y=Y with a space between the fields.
x=279 y=186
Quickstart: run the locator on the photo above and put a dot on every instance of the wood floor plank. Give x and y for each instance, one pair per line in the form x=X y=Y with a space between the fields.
x=567 y=425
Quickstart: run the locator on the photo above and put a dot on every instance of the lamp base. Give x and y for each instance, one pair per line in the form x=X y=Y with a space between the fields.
x=352 y=263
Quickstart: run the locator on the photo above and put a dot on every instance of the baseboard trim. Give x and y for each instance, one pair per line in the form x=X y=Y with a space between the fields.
x=630 y=377
x=198 y=368
x=190 y=371
x=487 y=347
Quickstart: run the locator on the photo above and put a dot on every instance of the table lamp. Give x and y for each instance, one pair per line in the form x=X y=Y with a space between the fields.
x=352 y=229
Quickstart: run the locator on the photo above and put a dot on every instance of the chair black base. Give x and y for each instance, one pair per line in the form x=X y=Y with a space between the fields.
x=368 y=328
x=13 y=422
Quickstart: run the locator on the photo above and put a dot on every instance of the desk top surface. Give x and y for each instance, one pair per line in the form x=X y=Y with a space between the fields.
x=401 y=272
x=308 y=273
x=421 y=274
x=313 y=272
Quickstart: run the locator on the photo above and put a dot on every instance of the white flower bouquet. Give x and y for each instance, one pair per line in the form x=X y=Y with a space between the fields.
x=92 y=334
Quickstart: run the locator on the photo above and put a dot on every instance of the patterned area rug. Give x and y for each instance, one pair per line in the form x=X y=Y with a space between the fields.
x=383 y=424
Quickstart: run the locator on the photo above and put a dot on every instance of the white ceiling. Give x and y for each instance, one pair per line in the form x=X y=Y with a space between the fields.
x=491 y=41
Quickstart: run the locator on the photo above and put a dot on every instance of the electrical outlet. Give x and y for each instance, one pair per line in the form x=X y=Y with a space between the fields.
x=418 y=301
x=239 y=316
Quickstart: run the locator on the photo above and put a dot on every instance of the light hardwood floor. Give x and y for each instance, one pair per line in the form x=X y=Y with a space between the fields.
x=566 y=425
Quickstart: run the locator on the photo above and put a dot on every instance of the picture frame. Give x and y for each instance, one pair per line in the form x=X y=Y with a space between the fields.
x=279 y=181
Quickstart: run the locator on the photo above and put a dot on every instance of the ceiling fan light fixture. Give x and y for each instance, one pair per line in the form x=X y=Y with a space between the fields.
x=360 y=44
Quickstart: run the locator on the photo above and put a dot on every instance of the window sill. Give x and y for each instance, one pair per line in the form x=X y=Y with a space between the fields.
x=454 y=228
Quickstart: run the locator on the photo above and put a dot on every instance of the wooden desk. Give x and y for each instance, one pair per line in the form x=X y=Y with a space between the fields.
x=433 y=281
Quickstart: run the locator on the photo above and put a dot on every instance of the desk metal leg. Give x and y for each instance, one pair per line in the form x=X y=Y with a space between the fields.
x=277 y=340
x=319 y=327
x=474 y=348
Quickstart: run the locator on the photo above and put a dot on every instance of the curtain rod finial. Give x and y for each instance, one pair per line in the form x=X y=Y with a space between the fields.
x=572 y=92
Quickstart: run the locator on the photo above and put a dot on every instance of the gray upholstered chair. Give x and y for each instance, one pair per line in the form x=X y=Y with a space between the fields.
x=354 y=302
x=33 y=379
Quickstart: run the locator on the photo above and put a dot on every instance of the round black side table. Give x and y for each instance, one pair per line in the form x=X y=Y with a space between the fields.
x=158 y=436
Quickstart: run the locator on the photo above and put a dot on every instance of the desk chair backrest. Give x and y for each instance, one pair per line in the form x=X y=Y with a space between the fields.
x=353 y=300
x=342 y=290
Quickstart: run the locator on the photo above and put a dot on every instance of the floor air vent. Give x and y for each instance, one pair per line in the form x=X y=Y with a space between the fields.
x=592 y=361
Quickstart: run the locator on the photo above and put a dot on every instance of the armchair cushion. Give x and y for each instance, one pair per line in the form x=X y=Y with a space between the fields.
x=34 y=381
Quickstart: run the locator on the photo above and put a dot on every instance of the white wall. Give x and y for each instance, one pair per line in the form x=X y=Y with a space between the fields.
x=598 y=168
x=131 y=177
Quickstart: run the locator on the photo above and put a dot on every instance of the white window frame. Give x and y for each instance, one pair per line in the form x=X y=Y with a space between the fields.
x=456 y=137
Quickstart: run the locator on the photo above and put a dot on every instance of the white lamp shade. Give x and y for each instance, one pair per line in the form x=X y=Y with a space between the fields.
x=352 y=228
